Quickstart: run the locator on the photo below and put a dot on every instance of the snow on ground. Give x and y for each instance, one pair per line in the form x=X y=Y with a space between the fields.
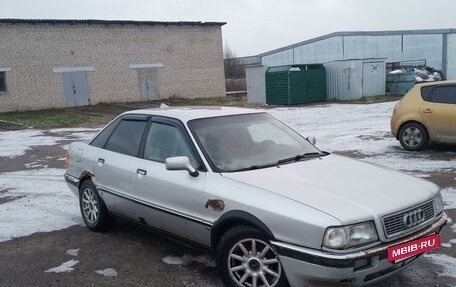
x=82 y=134
x=188 y=259
x=41 y=202
x=65 y=267
x=449 y=198
x=108 y=272
x=361 y=128
x=447 y=263
x=16 y=143
x=342 y=127
x=73 y=252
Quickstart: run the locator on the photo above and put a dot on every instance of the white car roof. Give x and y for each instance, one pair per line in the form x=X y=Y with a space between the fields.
x=187 y=113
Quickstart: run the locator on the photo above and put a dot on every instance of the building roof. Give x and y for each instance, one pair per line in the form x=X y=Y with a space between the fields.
x=361 y=33
x=107 y=22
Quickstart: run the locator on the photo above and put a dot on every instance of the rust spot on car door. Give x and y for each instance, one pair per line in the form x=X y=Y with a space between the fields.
x=215 y=204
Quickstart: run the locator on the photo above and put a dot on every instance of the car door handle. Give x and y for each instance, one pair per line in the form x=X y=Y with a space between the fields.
x=101 y=160
x=428 y=111
x=141 y=171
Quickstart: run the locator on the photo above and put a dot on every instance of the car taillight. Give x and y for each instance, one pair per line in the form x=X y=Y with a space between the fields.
x=67 y=159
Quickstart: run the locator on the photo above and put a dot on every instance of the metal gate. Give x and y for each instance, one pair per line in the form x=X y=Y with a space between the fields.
x=373 y=78
x=148 y=82
x=76 y=88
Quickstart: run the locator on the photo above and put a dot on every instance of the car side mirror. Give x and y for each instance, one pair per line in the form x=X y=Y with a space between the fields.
x=312 y=140
x=181 y=163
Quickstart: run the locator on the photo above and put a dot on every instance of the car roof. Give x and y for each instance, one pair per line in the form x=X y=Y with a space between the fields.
x=437 y=83
x=187 y=113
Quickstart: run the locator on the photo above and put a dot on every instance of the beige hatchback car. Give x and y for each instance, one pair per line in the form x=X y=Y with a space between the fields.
x=427 y=113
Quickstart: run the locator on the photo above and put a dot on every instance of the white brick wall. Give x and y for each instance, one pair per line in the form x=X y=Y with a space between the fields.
x=192 y=57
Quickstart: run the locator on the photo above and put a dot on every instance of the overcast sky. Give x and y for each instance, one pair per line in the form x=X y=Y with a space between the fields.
x=254 y=26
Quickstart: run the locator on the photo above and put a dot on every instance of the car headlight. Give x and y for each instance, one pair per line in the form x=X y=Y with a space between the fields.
x=350 y=236
x=438 y=201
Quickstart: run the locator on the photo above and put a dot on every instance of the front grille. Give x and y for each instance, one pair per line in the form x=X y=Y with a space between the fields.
x=394 y=223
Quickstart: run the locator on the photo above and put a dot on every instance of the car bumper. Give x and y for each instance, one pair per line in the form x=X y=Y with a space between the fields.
x=304 y=266
x=73 y=183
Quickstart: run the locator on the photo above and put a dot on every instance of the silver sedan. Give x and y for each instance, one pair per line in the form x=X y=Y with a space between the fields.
x=277 y=210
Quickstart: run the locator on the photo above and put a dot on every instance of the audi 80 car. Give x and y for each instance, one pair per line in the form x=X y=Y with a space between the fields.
x=427 y=113
x=277 y=210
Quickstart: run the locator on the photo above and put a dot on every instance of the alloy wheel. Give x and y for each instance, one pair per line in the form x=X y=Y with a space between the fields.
x=90 y=206
x=253 y=263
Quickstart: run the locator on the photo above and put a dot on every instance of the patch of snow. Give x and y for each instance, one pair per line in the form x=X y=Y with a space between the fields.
x=449 y=198
x=406 y=163
x=74 y=130
x=65 y=267
x=449 y=244
x=44 y=203
x=453 y=228
x=108 y=272
x=447 y=263
x=82 y=134
x=172 y=260
x=73 y=252
x=32 y=165
x=187 y=259
x=422 y=175
x=338 y=127
x=16 y=143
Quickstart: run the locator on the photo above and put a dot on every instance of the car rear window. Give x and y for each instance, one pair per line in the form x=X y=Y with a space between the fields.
x=127 y=136
x=444 y=94
x=439 y=94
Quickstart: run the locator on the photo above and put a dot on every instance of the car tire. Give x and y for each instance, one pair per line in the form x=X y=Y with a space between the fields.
x=244 y=255
x=93 y=210
x=413 y=136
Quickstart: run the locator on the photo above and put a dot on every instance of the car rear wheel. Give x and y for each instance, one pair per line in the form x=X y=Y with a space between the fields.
x=245 y=258
x=93 y=210
x=413 y=137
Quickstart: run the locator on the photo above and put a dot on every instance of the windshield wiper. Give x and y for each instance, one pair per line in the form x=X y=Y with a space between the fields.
x=252 y=167
x=299 y=157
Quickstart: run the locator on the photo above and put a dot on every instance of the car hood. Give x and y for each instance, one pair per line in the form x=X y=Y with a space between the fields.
x=348 y=189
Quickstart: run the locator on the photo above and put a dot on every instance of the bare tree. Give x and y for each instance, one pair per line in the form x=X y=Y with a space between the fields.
x=233 y=67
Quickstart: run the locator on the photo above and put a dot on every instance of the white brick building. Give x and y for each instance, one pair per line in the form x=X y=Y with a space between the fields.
x=60 y=63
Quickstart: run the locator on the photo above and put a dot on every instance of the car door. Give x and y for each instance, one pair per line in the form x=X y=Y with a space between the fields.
x=439 y=111
x=173 y=201
x=116 y=165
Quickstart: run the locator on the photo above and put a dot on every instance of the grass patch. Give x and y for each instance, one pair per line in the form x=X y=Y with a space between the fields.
x=50 y=119
x=99 y=114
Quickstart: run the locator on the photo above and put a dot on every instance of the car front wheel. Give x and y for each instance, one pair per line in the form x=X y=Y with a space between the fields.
x=93 y=209
x=413 y=137
x=245 y=258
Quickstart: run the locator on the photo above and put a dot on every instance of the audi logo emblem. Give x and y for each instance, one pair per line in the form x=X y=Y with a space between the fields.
x=413 y=218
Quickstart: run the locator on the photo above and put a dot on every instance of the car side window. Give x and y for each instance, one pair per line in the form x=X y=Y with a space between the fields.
x=165 y=141
x=103 y=136
x=444 y=94
x=127 y=136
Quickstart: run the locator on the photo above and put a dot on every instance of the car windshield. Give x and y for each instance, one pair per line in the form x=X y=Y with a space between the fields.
x=248 y=141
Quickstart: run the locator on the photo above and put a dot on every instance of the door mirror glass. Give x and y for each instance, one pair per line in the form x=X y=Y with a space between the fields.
x=181 y=163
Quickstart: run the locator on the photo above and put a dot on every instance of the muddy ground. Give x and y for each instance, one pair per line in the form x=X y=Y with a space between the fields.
x=137 y=255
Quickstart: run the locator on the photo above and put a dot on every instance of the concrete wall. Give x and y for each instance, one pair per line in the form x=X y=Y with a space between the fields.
x=192 y=58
